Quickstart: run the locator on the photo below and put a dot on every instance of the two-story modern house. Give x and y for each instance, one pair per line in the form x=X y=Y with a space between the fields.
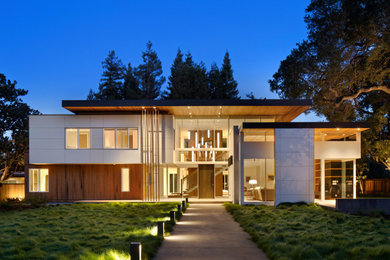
x=246 y=151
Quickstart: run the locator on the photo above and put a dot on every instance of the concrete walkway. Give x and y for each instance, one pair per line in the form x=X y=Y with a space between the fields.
x=207 y=231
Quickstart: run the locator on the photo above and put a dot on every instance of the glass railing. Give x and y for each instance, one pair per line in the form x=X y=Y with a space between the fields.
x=202 y=155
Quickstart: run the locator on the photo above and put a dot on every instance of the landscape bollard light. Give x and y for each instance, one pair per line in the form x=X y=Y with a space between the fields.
x=183 y=203
x=186 y=200
x=135 y=250
x=172 y=215
x=160 y=228
x=179 y=208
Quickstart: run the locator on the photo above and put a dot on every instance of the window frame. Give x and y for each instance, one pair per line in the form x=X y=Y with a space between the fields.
x=78 y=138
x=38 y=180
x=129 y=181
x=115 y=138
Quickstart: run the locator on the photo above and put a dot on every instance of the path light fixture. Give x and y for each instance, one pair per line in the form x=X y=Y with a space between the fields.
x=136 y=250
x=172 y=216
x=160 y=228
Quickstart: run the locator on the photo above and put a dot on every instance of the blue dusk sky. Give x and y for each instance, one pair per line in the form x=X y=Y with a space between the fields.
x=54 y=49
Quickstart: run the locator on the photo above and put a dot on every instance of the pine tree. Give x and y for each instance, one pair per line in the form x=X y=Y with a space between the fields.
x=91 y=95
x=214 y=78
x=112 y=78
x=227 y=89
x=130 y=88
x=188 y=80
x=149 y=74
x=175 y=83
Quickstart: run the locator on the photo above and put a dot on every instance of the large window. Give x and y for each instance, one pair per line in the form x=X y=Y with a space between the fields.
x=78 y=138
x=39 y=180
x=120 y=138
x=338 y=134
x=201 y=139
x=125 y=180
x=173 y=179
x=259 y=179
x=261 y=135
x=338 y=179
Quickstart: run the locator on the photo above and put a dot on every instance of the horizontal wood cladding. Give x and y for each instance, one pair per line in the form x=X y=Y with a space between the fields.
x=88 y=182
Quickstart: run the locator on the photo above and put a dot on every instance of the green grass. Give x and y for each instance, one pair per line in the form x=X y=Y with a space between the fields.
x=310 y=232
x=81 y=231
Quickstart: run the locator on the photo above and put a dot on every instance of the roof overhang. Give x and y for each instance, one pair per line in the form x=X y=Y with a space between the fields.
x=284 y=110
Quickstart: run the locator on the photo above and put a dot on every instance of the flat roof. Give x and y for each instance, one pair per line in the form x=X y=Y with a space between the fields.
x=282 y=109
x=317 y=125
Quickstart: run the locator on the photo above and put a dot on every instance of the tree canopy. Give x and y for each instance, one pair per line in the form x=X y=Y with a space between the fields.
x=13 y=127
x=150 y=74
x=112 y=78
x=344 y=66
x=225 y=86
x=189 y=80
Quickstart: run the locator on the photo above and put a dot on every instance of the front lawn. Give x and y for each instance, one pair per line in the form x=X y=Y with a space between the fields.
x=310 y=232
x=81 y=231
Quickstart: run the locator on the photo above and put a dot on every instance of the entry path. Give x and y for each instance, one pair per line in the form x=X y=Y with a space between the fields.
x=207 y=231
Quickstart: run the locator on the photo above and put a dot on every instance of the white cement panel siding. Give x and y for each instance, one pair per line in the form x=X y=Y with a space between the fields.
x=168 y=139
x=294 y=165
x=47 y=139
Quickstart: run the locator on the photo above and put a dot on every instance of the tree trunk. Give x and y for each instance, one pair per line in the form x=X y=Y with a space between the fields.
x=5 y=174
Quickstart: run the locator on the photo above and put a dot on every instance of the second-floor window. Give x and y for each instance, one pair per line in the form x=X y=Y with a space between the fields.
x=120 y=138
x=78 y=138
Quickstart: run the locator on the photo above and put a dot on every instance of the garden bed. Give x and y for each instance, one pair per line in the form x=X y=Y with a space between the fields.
x=311 y=232
x=82 y=231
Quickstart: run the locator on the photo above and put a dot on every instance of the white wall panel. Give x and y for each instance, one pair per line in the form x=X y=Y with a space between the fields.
x=167 y=139
x=77 y=156
x=294 y=165
x=121 y=156
x=77 y=121
x=97 y=156
x=97 y=121
x=42 y=121
x=47 y=139
x=47 y=133
x=121 y=121
x=46 y=143
x=47 y=156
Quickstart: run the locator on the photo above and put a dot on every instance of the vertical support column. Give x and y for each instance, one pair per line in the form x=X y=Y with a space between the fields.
x=236 y=165
x=242 y=172
x=354 y=178
x=322 y=180
x=343 y=179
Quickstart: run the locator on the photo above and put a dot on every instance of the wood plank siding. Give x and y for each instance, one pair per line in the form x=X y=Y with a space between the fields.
x=88 y=182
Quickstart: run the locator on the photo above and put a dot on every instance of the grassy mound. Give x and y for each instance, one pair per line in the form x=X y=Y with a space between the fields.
x=310 y=232
x=81 y=231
